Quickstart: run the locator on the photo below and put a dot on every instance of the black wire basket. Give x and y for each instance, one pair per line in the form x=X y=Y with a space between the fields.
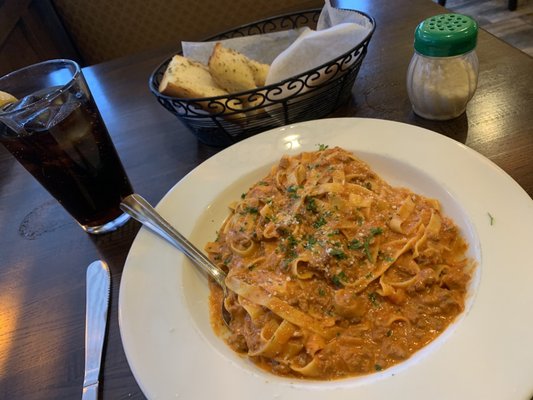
x=224 y=120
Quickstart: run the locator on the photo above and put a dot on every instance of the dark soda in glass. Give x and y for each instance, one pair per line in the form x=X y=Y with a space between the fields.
x=62 y=141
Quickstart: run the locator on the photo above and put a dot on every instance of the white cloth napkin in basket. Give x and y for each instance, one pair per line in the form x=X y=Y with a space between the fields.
x=293 y=52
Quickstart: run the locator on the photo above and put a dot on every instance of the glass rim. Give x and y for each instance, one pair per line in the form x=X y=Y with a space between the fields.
x=52 y=95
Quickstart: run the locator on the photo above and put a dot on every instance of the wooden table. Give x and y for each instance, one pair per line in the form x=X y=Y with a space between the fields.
x=44 y=254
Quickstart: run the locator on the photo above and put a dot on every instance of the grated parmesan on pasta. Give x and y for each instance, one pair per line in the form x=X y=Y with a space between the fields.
x=334 y=273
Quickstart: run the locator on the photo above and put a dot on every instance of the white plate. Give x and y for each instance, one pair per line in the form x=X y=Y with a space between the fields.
x=487 y=353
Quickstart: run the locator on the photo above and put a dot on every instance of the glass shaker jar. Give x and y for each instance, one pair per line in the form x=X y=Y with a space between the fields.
x=442 y=75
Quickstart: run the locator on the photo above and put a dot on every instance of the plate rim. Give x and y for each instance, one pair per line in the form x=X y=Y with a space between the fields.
x=513 y=185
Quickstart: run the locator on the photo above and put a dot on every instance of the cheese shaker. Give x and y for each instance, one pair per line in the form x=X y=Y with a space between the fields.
x=443 y=72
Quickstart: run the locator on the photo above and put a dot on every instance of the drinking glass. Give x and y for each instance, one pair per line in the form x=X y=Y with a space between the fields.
x=56 y=132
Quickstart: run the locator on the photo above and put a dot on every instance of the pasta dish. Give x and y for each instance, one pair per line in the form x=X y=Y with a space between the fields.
x=333 y=272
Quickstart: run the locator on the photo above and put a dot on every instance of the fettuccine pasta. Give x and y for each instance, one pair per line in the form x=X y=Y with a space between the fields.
x=332 y=272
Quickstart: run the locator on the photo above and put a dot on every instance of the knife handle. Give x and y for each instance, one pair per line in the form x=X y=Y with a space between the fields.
x=97 y=300
x=90 y=392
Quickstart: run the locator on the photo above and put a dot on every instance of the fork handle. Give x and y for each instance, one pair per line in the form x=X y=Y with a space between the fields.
x=136 y=206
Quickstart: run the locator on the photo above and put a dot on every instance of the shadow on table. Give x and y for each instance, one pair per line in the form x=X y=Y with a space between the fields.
x=370 y=104
x=114 y=247
x=6 y=176
x=456 y=129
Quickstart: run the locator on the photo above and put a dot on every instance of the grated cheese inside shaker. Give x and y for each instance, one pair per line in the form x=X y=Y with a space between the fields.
x=442 y=75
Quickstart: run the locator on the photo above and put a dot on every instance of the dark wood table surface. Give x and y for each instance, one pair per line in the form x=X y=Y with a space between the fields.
x=44 y=254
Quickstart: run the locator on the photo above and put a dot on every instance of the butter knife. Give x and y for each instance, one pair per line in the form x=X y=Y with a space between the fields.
x=98 y=285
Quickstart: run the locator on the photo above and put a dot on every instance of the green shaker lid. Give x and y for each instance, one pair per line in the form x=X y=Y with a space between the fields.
x=446 y=35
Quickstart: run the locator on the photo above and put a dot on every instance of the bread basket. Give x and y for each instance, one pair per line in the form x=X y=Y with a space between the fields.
x=313 y=94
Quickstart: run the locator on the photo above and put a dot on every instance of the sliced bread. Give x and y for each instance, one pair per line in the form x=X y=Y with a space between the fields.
x=189 y=79
x=260 y=72
x=235 y=72
x=186 y=78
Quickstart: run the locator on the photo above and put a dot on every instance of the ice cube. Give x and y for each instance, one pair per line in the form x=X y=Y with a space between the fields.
x=25 y=101
x=48 y=112
x=63 y=112
x=40 y=119
x=31 y=99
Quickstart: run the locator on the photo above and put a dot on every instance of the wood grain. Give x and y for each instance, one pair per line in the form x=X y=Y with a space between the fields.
x=44 y=254
x=497 y=17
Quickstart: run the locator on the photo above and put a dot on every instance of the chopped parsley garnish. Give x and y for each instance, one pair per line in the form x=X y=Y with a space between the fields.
x=339 y=278
x=358 y=245
x=334 y=232
x=321 y=221
x=292 y=190
x=263 y=183
x=288 y=250
x=310 y=204
x=251 y=210
x=384 y=256
x=243 y=195
x=373 y=299
x=290 y=257
x=389 y=333
x=491 y=219
x=321 y=292
x=338 y=254
x=291 y=241
x=311 y=240
x=378 y=367
x=376 y=231
x=368 y=185
x=368 y=240
x=366 y=245
x=322 y=147
x=355 y=245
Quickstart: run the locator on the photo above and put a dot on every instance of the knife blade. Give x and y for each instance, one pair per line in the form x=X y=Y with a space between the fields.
x=98 y=286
